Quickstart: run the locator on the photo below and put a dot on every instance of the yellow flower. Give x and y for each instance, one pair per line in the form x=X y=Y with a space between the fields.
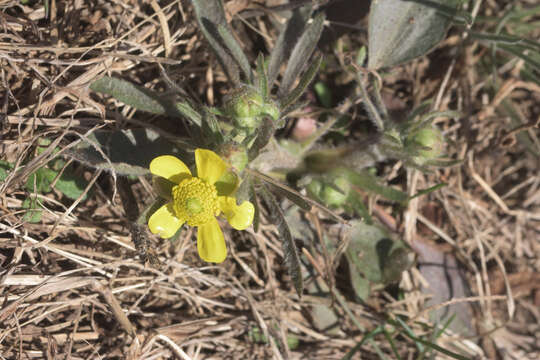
x=196 y=201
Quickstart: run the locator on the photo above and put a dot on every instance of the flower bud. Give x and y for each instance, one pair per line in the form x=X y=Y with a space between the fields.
x=333 y=197
x=330 y=195
x=314 y=189
x=428 y=142
x=246 y=107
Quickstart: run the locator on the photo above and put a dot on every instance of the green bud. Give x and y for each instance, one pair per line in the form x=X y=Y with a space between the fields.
x=428 y=142
x=314 y=189
x=271 y=109
x=330 y=195
x=333 y=197
x=246 y=107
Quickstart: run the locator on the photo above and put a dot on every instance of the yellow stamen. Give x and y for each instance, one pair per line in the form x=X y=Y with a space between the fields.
x=196 y=201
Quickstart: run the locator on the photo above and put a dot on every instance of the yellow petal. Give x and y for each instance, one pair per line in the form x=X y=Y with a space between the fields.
x=211 y=243
x=164 y=222
x=170 y=167
x=240 y=217
x=210 y=166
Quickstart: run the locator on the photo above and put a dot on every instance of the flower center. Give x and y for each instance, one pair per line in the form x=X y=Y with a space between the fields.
x=195 y=201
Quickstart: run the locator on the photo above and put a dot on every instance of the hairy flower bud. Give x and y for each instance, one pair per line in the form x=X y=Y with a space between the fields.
x=428 y=143
x=246 y=107
x=329 y=194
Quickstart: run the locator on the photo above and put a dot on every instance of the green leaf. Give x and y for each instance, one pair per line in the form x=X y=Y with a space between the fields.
x=420 y=109
x=257 y=216
x=288 y=100
x=211 y=16
x=290 y=251
x=505 y=39
x=143 y=99
x=38 y=182
x=373 y=255
x=403 y=30
x=4 y=167
x=262 y=78
x=357 y=347
x=244 y=191
x=428 y=190
x=69 y=184
x=187 y=111
x=33 y=215
x=361 y=55
x=410 y=334
x=236 y=51
x=211 y=131
x=369 y=182
x=428 y=118
x=301 y=52
x=324 y=94
x=444 y=162
x=295 y=197
x=284 y=187
x=360 y=284
x=264 y=134
x=286 y=40
x=357 y=203
x=520 y=53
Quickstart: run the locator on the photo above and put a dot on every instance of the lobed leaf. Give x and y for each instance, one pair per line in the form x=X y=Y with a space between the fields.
x=33 y=213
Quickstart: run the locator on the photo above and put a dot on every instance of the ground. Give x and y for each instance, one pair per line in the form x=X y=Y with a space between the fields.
x=73 y=285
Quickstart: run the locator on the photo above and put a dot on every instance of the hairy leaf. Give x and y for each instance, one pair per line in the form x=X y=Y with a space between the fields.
x=262 y=78
x=130 y=94
x=125 y=152
x=236 y=51
x=144 y=99
x=368 y=182
x=296 y=194
x=286 y=40
x=295 y=197
x=306 y=79
x=245 y=189
x=403 y=30
x=264 y=134
x=211 y=16
x=290 y=251
x=301 y=52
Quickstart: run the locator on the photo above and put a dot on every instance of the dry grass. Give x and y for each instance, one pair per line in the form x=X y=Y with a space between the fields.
x=73 y=286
